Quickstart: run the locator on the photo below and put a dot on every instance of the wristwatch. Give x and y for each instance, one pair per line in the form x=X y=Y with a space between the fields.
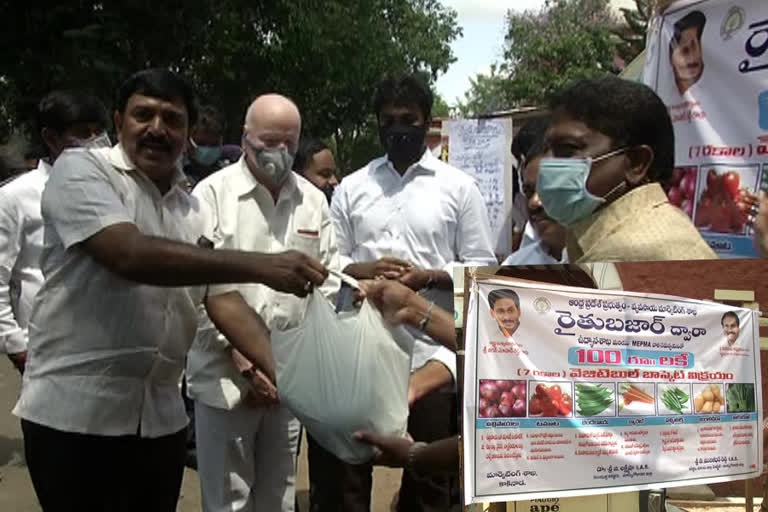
x=412 y=452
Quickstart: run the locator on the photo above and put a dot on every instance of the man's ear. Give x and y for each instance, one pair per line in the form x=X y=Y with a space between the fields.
x=493 y=314
x=51 y=140
x=117 y=118
x=640 y=162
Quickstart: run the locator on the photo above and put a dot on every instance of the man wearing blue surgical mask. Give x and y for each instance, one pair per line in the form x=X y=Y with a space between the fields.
x=205 y=152
x=65 y=119
x=612 y=144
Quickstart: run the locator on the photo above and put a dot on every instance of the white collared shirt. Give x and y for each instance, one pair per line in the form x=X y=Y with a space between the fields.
x=532 y=251
x=241 y=214
x=433 y=216
x=106 y=354
x=21 y=243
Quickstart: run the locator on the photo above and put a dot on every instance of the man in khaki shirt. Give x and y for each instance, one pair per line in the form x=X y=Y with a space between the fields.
x=612 y=144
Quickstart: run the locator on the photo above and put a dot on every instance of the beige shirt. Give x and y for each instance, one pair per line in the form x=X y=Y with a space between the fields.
x=642 y=225
x=242 y=215
x=106 y=354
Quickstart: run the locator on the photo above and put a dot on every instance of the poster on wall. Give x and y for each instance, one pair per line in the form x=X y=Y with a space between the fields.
x=708 y=61
x=575 y=392
x=480 y=147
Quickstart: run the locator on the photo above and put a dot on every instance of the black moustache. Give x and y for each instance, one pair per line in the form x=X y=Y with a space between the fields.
x=156 y=142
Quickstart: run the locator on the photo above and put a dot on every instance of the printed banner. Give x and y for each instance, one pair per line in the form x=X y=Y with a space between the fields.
x=572 y=391
x=708 y=61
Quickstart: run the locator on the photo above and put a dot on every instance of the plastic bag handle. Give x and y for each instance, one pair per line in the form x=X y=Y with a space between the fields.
x=351 y=281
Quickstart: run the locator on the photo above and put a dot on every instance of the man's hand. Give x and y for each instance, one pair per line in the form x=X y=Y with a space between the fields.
x=293 y=272
x=262 y=392
x=390 y=451
x=416 y=279
x=394 y=300
x=390 y=268
x=429 y=378
x=19 y=360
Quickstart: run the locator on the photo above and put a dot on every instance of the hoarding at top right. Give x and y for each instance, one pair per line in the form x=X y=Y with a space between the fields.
x=708 y=61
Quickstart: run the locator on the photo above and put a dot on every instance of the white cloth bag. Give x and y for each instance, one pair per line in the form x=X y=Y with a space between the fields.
x=342 y=373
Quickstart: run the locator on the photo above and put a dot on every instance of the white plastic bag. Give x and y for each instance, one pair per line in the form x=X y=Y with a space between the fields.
x=342 y=373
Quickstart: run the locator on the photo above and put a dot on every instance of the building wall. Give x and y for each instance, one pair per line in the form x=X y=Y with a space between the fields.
x=699 y=280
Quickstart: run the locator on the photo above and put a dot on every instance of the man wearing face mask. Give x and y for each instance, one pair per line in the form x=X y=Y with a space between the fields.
x=205 y=153
x=65 y=119
x=246 y=441
x=543 y=240
x=410 y=217
x=612 y=143
x=316 y=163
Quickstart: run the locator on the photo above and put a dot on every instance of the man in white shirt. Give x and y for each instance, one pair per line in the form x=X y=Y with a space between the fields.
x=102 y=415
x=64 y=119
x=543 y=239
x=411 y=217
x=246 y=445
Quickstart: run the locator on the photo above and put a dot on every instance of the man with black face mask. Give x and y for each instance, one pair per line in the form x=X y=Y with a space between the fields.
x=410 y=217
x=315 y=162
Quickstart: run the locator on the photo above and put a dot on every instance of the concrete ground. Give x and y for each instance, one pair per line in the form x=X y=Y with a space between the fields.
x=17 y=494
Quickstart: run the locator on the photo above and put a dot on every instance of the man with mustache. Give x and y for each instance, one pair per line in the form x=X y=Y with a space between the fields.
x=65 y=119
x=505 y=310
x=543 y=239
x=730 y=324
x=125 y=264
x=410 y=217
x=256 y=202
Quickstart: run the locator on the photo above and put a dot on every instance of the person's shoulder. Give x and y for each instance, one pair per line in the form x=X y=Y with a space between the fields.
x=363 y=174
x=220 y=177
x=447 y=172
x=314 y=197
x=22 y=182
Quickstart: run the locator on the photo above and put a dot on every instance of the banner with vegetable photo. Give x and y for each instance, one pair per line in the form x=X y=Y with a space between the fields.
x=708 y=61
x=576 y=391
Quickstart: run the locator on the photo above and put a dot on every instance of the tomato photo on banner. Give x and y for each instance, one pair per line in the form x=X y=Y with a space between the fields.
x=728 y=196
x=708 y=62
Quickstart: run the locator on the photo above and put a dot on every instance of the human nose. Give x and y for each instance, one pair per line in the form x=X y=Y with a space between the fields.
x=333 y=181
x=156 y=124
x=534 y=203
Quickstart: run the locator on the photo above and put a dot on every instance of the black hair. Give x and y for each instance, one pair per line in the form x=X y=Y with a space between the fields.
x=630 y=113
x=503 y=293
x=530 y=133
x=732 y=314
x=538 y=149
x=308 y=147
x=60 y=109
x=158 y=83
x=403 y=91
x=694 y=19
x=211 y=120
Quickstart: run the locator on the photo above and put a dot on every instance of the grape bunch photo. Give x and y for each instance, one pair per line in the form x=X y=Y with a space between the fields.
x=501 y=399
x=727 y=199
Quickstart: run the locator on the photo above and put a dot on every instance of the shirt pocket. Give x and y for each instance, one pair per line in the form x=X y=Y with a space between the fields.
x=309 y=244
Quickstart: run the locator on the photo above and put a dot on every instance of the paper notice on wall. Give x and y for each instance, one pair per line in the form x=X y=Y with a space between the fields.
x=480 y=147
